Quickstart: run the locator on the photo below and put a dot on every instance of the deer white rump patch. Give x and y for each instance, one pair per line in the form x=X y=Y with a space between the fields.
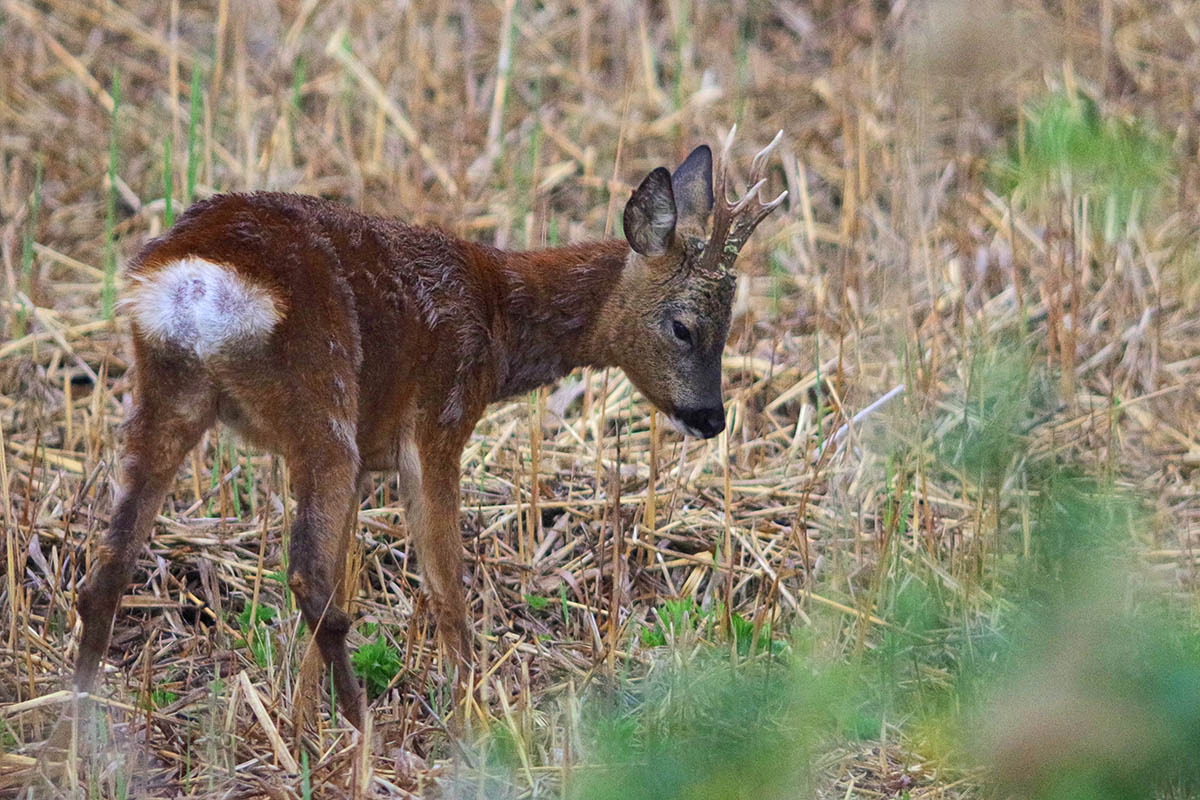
x=201 y=306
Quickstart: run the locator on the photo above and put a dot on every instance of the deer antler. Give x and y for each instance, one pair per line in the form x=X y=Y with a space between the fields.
x=733 y=222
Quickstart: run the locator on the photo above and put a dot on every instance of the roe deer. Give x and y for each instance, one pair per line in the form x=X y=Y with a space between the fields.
x=349 y=343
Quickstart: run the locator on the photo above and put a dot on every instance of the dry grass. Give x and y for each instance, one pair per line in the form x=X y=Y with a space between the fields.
x=522 y=124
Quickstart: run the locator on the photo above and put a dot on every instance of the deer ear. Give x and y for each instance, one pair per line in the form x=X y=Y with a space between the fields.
x=692 y=184
x=650 y=215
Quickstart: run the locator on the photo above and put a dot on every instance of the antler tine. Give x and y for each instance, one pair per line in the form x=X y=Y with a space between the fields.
x=746 y=224
x=757 y=169
x=758 y=165
x=723 y=170
x=750 y=194
x=771 y=206
x=722 y=217
x=734 y=221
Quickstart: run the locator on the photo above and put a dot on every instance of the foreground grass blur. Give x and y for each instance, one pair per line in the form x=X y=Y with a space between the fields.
x=1071 y=151
x=1073 y=677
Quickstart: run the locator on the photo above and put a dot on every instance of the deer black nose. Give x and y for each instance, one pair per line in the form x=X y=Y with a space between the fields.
x=705 y=422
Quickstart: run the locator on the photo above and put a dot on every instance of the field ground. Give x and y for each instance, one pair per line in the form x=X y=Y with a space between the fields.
x=947 y=547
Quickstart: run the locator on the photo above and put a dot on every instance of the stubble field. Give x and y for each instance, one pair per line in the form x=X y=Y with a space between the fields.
x=946 y=547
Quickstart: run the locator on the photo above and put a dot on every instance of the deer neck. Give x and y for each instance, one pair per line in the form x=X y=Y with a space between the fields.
x=550 y=319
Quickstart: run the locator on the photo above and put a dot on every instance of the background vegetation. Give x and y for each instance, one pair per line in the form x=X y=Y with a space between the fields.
x=945 y=549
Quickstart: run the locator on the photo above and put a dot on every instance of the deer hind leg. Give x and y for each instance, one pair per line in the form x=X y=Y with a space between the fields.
x=170 y=414
x=326 y=497
x=308 y=690
x=432 y=516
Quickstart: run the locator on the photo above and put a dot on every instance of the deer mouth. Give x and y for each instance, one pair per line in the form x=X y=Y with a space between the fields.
x=683 y=428
x=702 y=423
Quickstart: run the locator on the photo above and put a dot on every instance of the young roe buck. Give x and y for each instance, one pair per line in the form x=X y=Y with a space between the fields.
x=350 y=343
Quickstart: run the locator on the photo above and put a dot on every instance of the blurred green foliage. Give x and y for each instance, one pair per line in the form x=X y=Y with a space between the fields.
x=999 y=400
x=709 y=730
x=1070 y=677
x=1069 y=148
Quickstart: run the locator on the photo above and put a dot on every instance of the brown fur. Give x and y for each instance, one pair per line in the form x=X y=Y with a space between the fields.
x=392 y=341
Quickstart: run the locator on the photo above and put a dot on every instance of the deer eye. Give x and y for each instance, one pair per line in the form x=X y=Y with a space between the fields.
x=681 y=331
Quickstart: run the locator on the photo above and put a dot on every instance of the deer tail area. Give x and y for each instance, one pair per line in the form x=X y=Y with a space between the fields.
x=200 y=306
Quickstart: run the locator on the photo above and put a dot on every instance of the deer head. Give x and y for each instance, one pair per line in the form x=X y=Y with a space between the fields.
x=668 y=319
